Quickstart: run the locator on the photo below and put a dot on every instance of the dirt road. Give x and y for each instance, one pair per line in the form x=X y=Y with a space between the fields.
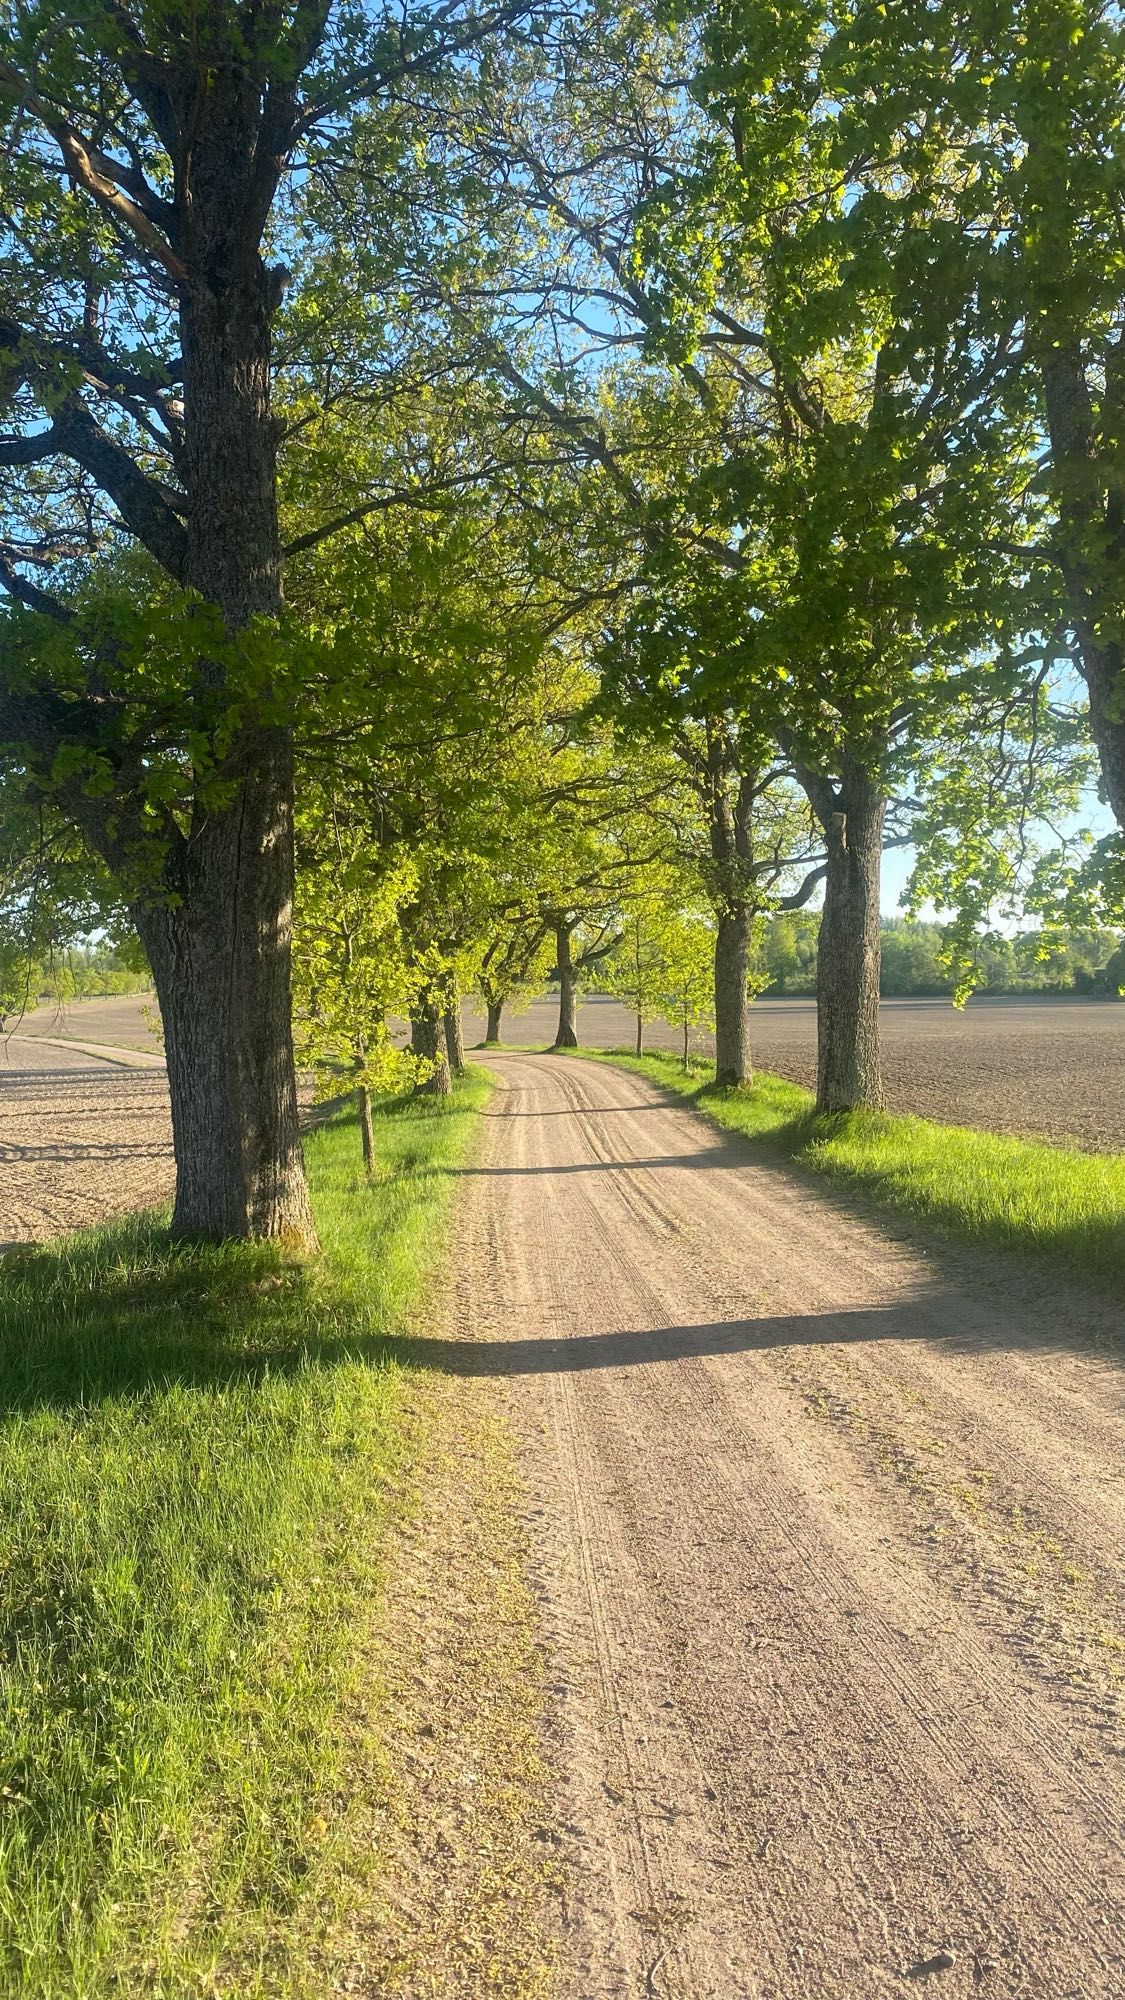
x=1043 y=1068
x=828 y=1537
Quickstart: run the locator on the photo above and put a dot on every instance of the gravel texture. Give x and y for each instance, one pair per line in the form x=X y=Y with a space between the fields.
x=828 y=1538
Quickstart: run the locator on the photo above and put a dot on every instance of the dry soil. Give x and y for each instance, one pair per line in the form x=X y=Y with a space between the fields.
x=827 y=1535
x=1051 y=1068
x=82 y=1138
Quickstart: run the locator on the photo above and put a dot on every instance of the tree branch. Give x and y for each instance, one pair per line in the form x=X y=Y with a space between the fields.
x=89 y=169
x=371 y=78
x=28 y=593
x=800 y=896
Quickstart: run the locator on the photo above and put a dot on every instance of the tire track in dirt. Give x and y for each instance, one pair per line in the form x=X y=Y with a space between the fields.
x=828 y=1539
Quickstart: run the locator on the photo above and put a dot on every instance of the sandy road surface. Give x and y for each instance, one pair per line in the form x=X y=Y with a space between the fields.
x=81 y=1139
x=829 y=1538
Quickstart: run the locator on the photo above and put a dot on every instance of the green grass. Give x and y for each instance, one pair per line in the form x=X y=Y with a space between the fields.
x=1063 y=1209
x=201 y=1453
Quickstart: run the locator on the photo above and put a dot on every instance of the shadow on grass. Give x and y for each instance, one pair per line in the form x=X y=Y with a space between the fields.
x=1048 y=1206
x=947 y=1189
x=122 y=1313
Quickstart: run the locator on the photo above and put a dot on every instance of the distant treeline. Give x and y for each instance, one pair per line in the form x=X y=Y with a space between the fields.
x=86 y=972
x=1035 y=961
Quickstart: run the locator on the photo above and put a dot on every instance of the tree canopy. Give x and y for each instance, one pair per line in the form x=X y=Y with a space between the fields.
x=515 y=491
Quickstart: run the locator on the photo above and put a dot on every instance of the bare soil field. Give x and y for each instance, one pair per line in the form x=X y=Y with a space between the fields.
x=123 y=1022
x=828 y=1538
x=1050 y=1069
x=81 y=1139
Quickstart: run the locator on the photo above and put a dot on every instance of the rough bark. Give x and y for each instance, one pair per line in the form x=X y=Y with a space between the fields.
x=1091 y=556
x=849 y=1072
x=495 y=1017
x=366 y=1130
x=220 y=960
x=731 y=834
x=220 y=947
x=213 y=904
x=455 y=1038
x=733 y=1066
x=567 y=1036
x=427 y=1039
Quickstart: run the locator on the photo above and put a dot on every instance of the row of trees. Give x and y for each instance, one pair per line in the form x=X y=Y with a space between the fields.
x=515 y=477
x=920 y=958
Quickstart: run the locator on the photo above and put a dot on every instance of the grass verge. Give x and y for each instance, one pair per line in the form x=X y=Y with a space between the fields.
x=202 y=1453
x=1062 y=1208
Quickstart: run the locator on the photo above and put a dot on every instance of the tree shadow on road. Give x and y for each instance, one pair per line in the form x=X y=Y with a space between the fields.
x=948 y=1319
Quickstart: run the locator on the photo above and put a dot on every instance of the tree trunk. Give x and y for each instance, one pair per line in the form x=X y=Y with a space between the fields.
x=732 y=1022
x=495 y=1015
x=640 y=1035
x=366 y=1130
x=220 y=950
x=220 y=960
x=427 y=1039
x=567 y=1037
x=455 y=1038
x=849 y=1075
x=685 y=1042
x=1091 y=557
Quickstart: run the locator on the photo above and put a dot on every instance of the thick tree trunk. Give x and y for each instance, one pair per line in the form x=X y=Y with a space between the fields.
x=1092 y=557
x=427 y=1039
x=366 y=1130
x=220 y=960
x=219 y=948
x=849 y=1074
x=495 y=1016
x=567 y=1037
x=455 y=1038
x=732 y=1023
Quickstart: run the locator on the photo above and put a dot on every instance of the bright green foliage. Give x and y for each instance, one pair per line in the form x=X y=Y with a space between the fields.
x=663 y=965
x=954 y=194
x=637 y=970
x=688 y=1000
x=52 y=896
x=785 y=954
x=514 y=960
x=349 y=969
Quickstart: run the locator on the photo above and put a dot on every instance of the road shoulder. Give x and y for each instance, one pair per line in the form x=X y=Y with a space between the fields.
x=447 y=1760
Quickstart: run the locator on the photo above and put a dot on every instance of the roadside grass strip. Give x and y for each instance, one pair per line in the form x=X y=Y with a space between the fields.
x=202 y=1453
x=1062 y=1208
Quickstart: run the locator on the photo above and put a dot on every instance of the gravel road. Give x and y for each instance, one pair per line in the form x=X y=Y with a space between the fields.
x=1041 y=1068
x=828 y=1536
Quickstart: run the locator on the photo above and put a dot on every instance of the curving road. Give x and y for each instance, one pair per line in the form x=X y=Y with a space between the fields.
x=828 y=1536
x=1050 y=1068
